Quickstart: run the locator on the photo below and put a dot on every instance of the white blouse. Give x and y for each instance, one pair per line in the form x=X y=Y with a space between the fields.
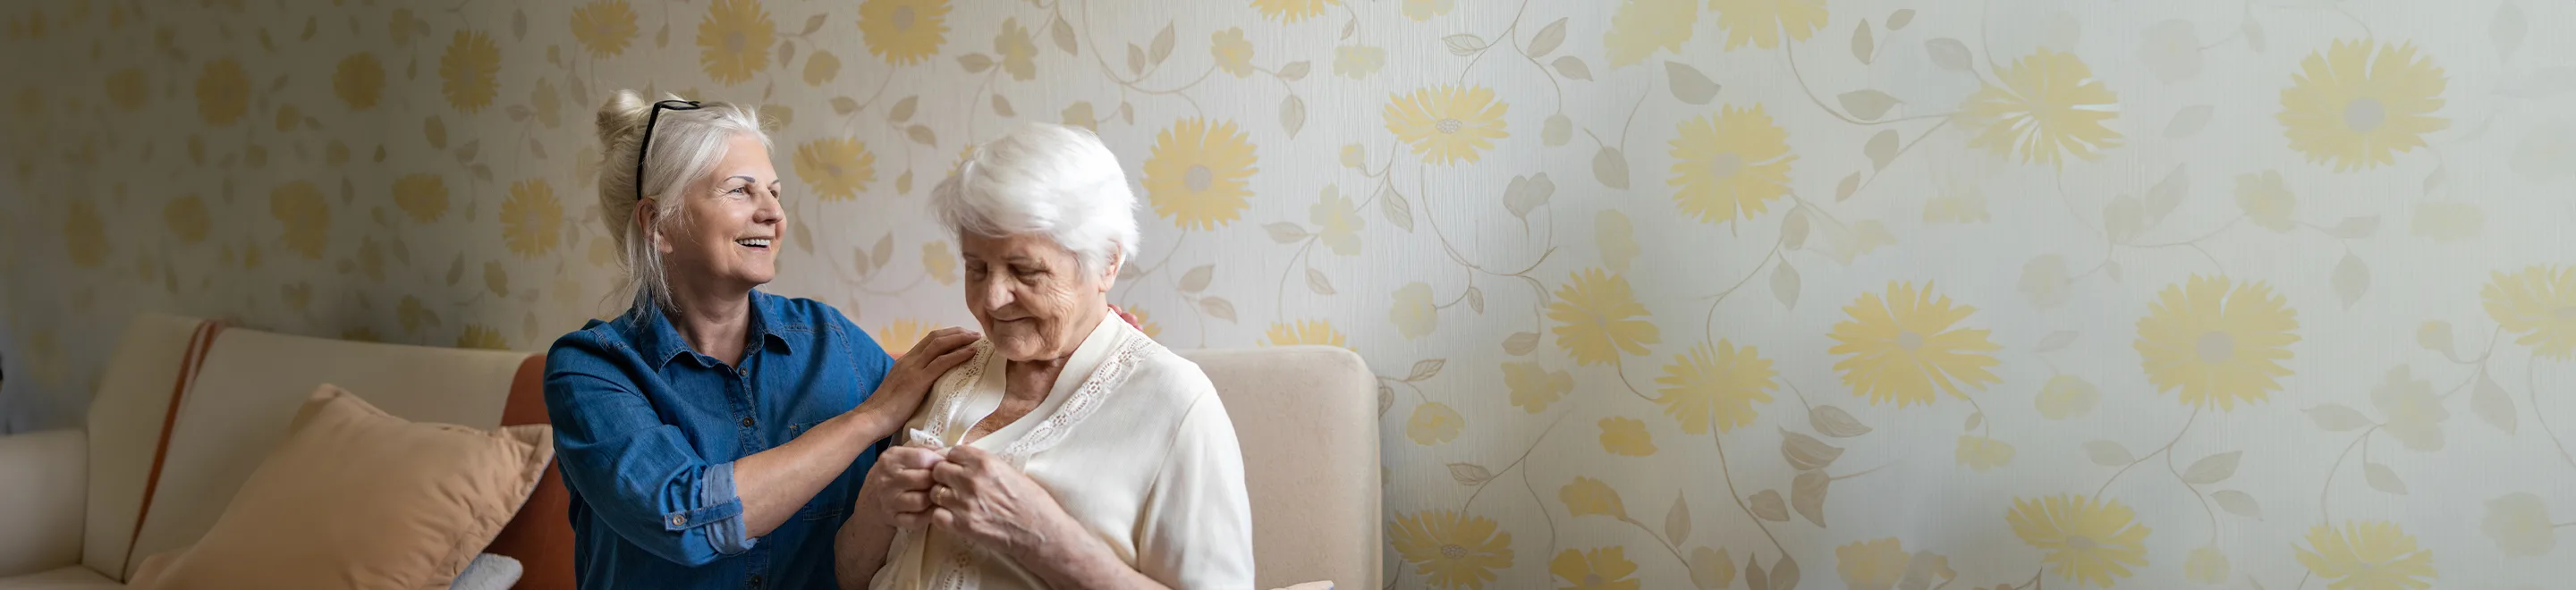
x=1138 y=450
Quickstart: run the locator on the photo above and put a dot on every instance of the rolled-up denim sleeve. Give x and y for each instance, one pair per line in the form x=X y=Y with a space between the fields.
x=642 y=477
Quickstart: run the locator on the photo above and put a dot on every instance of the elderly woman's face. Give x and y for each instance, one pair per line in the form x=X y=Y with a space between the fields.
x=733 y=222
x=1032 y=296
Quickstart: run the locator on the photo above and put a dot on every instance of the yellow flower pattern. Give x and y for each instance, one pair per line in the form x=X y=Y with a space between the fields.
x=1626 y=436
x=604 y=27
x=1763 y=23
x=1906 y=344
x=532 y=220
x=1337 y=222
x=1306 y=332
x=2206 y=565
x=1145 y=322
x=127 y=89
x=900 y=336
x=2413 y=414
x=838 y=168
x=1233 y=53
x=1199 y=174
x=469 y=72
x=1606 y=568
x=1358 y=61
x=1425 y=9
x=187 y=218
x=1414 y=315
x=1447 y=124
x=1590 y=497
x=1871 y=565
x=821 y=68
x=1451 y=550
x=2219 y=342
x=2086 y=540
x=938 y=263
x=1433 y=423
x=2538 y=304
x=1983 y=454
x=422 y=196
x=2359 y=103
x=1716 y=387
x=482 y=337
x=2265 y=201
x=1730 y=166
x=903 y=32
x=359 y=81
x=2367 y=556
x=223 y=93
x=1642 y=27
x=1598 y=319
x=2519 y=524
x=1019 y=54
x=734 y=40
x=2050 y=107
x=300 y=208
x=1291 y=10
x=1533 y=387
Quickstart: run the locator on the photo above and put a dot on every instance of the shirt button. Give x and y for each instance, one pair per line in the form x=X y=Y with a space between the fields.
x=747 y=422
x=743 y=371
x=755 y=580
x=679 y=520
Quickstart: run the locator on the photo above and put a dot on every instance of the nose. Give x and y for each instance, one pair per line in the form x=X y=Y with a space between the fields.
x=996 y=293
x=771 y=212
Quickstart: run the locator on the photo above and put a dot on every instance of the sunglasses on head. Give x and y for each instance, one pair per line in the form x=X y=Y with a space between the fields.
x=646 y=146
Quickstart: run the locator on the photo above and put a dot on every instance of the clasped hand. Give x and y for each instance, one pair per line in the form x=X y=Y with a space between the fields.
x=963 y=491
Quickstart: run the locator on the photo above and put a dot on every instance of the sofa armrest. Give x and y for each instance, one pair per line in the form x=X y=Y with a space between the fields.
x=45 y=476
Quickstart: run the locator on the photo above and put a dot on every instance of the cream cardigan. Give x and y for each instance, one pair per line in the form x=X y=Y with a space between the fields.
x=1132 y=442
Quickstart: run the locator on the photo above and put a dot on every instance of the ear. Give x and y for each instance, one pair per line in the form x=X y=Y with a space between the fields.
x=646 y=212
x=1109 y=272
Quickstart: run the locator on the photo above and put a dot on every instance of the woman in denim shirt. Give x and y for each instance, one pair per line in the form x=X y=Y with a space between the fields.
x=713 y=435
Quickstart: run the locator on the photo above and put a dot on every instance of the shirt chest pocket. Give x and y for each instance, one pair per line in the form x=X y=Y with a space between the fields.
x=833 y=502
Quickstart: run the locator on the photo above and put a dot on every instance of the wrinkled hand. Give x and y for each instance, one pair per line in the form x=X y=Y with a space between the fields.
x=984 y=500
x=909 y=381
x=897 y=489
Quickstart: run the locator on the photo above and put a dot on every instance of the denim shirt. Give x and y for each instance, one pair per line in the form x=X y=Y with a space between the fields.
x=647 y=432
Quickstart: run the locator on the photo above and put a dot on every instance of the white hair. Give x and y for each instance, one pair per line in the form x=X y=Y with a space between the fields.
x=686 y=144
x=1053 y=180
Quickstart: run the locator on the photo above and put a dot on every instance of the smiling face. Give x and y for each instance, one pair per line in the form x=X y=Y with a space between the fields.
x=731 y=225
x=1032 y=296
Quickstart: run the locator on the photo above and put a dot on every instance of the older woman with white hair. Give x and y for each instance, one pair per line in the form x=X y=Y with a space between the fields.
x=1071 y=451
x=714 y=435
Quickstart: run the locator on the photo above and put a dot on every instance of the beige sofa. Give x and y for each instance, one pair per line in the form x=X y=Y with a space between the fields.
x=187 y=409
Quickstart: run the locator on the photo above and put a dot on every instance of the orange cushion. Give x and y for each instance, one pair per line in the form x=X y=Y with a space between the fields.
x=540 y=536
x=356 y=497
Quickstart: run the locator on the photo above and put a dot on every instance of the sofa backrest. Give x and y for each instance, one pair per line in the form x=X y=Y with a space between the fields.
x=126 y=415
x=175 y=473
x=1306 y=417
x=251 y=386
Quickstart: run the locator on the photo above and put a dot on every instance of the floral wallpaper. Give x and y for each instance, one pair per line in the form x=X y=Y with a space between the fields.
x=1765 y=294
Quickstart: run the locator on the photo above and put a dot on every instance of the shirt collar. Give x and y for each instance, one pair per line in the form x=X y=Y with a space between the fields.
x=658 y=338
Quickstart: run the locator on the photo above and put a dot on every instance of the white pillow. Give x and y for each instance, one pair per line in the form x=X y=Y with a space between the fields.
x=488 y=572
